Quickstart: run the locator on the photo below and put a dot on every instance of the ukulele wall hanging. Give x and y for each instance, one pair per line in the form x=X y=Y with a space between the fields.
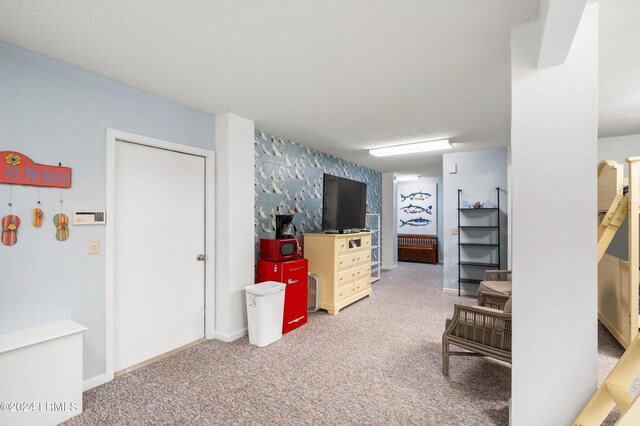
x=10 y=225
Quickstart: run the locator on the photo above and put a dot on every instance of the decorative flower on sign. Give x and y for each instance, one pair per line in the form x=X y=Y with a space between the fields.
x=13 y=159
x=11 y=227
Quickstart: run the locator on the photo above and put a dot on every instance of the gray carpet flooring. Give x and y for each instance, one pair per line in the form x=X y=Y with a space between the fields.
x=378 y=362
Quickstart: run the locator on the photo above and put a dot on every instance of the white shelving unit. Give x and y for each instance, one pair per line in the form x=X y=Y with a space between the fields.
x=375 y=247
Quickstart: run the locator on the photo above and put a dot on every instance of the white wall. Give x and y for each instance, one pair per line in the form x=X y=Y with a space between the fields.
x=554 y=147
x=478 y=175
x=234 y=223
x=439 y=211
x=389 y=219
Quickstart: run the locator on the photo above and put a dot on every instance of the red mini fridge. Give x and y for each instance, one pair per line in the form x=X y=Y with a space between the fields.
x=293 y=273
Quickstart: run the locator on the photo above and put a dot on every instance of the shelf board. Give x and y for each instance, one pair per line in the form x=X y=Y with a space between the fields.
x=374 y=263
x=477 y=227
x=375 y=247
x=374 y=279
x=478 y=245
x=469 y=281
x=488 y=265
x=471 y=208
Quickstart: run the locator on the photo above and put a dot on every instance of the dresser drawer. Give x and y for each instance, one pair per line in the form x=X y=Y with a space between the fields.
x=362 y=257
x=345 y=292
x=361 y=285
x=342 y=244
x=346 y=276
x=345 y=261
x=366 y=241
x=362 y=271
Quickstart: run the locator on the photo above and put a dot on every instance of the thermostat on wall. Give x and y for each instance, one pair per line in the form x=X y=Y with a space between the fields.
x=82 y=217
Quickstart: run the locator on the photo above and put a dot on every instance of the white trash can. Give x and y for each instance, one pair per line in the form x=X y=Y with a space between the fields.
x=265 y=309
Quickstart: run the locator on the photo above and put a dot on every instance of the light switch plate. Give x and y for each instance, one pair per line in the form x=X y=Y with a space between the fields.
x=453 y=168
x=94 y=246
x=454 y=231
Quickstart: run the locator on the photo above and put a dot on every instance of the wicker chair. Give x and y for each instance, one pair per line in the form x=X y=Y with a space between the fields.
x=495 y=282
x=497 y=275
x=483 y=330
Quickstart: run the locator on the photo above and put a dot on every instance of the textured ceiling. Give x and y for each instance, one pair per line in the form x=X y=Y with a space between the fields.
x=339 y=76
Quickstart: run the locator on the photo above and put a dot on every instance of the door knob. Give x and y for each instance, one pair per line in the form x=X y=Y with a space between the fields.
x=202 y=257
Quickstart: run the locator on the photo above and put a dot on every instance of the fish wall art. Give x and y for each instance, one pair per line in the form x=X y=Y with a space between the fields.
x=417 y=208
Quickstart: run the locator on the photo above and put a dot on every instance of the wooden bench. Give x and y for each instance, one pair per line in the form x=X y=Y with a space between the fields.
x=418 y=248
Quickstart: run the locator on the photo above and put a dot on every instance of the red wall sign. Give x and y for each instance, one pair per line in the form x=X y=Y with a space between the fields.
x=18 y=169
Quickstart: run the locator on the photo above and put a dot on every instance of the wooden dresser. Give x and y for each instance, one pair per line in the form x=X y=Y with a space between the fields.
x=343 y=262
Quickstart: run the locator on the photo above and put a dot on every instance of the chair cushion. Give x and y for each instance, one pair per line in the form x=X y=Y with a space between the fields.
x=507 y=307
x=501 y=287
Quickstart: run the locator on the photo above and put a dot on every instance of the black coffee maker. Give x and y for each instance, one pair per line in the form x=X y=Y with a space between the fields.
x=285 y=227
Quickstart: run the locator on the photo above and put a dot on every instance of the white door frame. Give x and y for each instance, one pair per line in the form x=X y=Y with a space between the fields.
x=209 y=300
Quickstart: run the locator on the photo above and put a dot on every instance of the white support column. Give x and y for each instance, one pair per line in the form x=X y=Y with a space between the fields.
x=234 y=222
x=558 y=21
x=389 y=220
x=554 y=157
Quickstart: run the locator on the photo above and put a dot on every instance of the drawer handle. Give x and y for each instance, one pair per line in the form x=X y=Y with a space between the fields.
x=292 y=282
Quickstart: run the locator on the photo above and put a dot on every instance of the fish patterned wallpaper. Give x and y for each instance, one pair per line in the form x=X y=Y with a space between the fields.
x=288 y=180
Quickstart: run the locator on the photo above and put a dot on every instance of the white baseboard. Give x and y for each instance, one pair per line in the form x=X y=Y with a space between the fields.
x=462 y=292
x=389 y=268
x=226 y=337
x=93 y=382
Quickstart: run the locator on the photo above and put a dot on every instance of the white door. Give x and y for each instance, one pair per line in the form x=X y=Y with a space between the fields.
x=159 y=231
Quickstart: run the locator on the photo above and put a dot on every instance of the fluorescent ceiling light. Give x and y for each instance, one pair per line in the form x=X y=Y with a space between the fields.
x=411 y=148
x=406 y=177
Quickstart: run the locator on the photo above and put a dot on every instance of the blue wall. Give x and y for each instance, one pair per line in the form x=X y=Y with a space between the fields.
x=289 y=181
x=478 y=175
x=54 y=112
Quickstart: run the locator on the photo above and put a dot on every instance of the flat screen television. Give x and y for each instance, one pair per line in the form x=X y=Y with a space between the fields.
x=344 y=204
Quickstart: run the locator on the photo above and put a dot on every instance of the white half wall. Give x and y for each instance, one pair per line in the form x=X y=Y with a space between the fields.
x=389 y=219
x=234 y=223
x=553 y=157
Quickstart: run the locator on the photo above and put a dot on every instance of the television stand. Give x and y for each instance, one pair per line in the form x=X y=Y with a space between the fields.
x=343 y=263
